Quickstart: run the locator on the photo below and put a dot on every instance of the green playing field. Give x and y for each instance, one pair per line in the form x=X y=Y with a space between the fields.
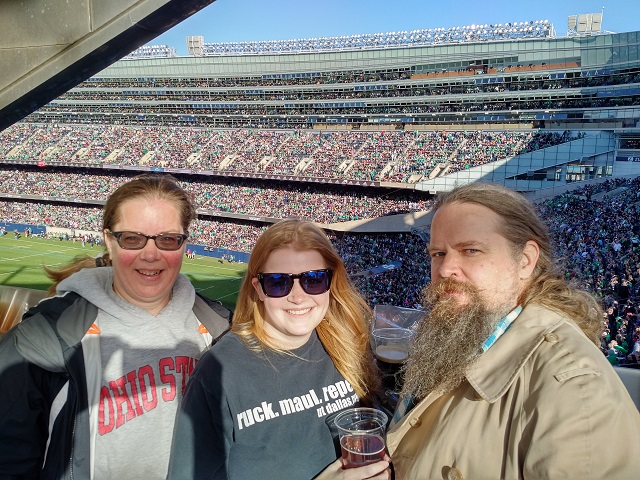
x=21 y=264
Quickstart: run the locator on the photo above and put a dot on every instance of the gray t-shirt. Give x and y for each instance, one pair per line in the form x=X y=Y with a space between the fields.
x=262 y=415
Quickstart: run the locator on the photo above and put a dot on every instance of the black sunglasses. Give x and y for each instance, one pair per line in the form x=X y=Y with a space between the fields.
x=137 y=241
x=313 y=282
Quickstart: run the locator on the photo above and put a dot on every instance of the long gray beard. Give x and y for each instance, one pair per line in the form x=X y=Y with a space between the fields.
x=448 y=340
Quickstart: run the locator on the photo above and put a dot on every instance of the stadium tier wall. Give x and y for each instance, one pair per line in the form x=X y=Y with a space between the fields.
x=581 y=82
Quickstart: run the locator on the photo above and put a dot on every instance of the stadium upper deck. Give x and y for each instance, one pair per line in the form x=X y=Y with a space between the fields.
x=462 y=77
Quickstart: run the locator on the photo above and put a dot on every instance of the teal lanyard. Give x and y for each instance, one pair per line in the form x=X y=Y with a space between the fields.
x=502 y=326
x=408 y=401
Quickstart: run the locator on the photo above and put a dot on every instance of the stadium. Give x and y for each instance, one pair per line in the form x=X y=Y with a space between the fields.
x=357 y=133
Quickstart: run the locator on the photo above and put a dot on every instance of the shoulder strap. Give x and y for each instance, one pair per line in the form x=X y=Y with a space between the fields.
x=213 y=315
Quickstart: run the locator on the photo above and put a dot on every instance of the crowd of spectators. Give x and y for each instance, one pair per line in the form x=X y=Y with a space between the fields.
x=602 y=256
x=284 y=102
x=361 y=252
x=325 y=86
x=596 y=231
x=398 y=156
x=219 y=233
x=401 y=286
x=314 y=78
x=320 y=203
x=214 y=113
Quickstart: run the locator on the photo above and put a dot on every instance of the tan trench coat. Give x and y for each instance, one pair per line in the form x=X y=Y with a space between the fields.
x=541 y=403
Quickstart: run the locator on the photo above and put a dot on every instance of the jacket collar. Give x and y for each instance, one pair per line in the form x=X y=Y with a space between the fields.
x=496 y=369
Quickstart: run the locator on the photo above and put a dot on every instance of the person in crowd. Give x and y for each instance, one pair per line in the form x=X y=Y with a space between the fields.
x=505 y=379
x=261 y=402
x=635 y=353
x=92 y=377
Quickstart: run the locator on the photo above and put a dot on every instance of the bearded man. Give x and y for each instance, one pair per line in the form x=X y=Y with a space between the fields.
x=506 y=376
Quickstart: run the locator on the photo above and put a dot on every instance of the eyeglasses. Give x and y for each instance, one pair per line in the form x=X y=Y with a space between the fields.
x=313 y=282
x=137 y=241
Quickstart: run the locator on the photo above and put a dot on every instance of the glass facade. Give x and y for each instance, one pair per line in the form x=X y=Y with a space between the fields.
x=597 y=51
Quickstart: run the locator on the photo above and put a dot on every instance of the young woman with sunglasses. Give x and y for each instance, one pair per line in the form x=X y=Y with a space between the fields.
x=92 y=377
x=262 y=401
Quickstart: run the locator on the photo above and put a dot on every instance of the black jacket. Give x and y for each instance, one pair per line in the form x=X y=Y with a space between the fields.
x=44 y=417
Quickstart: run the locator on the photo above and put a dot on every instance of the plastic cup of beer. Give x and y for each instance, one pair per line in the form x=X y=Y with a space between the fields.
x=362 y=432
x=392 y=345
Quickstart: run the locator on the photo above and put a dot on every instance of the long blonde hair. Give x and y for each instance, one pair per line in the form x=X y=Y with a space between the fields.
x=344 y=332
x=520 y=224
x=149 y=186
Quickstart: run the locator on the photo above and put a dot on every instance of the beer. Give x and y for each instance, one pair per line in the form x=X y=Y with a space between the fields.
x=361 y=431
x=389 y=360
x=361 y=449
x=392 y=346
x=391 y=355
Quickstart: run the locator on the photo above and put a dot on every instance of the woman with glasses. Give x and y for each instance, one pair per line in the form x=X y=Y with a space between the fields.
x=92 y=377
x=262 y=400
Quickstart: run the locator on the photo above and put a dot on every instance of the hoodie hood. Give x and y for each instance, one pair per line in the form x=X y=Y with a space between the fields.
x=53 y=328
x=96 y=285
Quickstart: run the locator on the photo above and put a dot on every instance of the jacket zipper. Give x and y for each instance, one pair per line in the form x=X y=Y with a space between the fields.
x=75 y=412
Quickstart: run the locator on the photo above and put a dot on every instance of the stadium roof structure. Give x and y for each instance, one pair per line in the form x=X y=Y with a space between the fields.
x=429 y=36
x=40 y=60
x=152 y=51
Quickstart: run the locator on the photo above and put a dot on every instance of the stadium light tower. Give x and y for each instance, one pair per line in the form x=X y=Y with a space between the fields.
x=468 y=33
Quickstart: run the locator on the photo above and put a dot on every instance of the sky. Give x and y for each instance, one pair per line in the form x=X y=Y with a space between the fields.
x=250 y=20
